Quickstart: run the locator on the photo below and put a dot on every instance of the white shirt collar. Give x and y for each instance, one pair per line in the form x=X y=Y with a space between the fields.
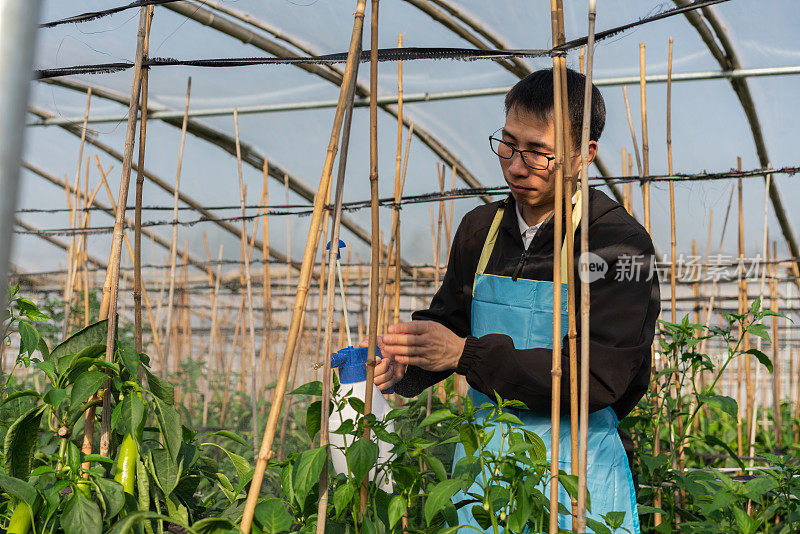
x=529 y=231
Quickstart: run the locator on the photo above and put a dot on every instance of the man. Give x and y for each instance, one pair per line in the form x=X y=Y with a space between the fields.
x=491 y=320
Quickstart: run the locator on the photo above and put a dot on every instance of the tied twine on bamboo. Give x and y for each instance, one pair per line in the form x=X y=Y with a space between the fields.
x=265 y=450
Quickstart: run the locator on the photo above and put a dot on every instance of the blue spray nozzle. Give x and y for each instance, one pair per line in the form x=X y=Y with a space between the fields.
x=342 y=245
x=352 y=364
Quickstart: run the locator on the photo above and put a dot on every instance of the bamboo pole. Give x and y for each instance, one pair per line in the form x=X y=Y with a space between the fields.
x=742 y=306
x=645 y=145
x=555 y=399
x=266 y=334
x=633 y=132
x=174 y=247
x=251 y=320
x=71 y=254
x=375 y=246
x=437 y=259
x=333 y=254
x=305 y=274
x=137 y=230
x=585 y=292
x=116 y=247
x=85 y=251
x=212 y=347
x=776 y=364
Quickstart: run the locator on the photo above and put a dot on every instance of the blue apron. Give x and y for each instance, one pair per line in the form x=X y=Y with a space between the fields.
x=523 y=310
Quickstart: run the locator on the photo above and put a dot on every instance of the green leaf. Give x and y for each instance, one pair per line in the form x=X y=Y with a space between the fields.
x=21 y=442
x=213 y=525
x=569 y=482
x=726 y=404
x=758 y=487
x=230 y=435
x=481 y=516
x=94 y=334
x=169 y=423
x=126 y=524
x=133 y=413
x=18 y=489
x=311 y=388
x=469 y=438
x=313 y=419
x=361 y=457
x=342 y=496
x=397 y=507
x=760 y=330
x=715 y=441
x=167 y=471
x=272 y=516
x=20 y=394
x=130 y=358
x=86 y=385
x=160 y=388
x=28 y=339
x=113 y=495
x=597 y=527
x=763 y=358
x=55 y=397
x=49 y=369
x=747 y=524
x=439 y=496
x=81 y=516
x=614 y=519
x=508 y=418
x=142 y=484
x=436 y=465
x=306 y=472
x=437 y=417
x=356 y=403
x=644 y=510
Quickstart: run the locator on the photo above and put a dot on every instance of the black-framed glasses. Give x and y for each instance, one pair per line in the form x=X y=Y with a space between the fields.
x=533 y=159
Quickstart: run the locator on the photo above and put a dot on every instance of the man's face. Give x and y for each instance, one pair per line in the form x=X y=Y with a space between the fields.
x=525 y=131
x=534 y=188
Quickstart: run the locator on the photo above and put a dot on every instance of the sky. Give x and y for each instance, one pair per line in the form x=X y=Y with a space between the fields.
x=709 y=128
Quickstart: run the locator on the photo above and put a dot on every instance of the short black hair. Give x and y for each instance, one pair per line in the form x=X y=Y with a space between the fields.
x=534 y=94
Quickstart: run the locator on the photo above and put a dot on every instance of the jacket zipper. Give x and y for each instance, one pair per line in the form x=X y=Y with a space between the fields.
x=520 y=264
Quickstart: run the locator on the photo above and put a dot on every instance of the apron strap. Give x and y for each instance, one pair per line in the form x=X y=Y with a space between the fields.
x=491 y=237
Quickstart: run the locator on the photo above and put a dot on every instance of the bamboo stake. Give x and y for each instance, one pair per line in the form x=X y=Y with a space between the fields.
x=333 y=254
x=229 y=367
x=72 y=218
x=398 y=174
x=305 y=274
x=174 y=247
x=633 y=132
x=251 y=320
x=375 y=245
x=212 y=347
x=585 y=293
x=85 y=252
x=266 y=333
x=645 y=145
x=555 y=400
x=137 y=231
x=116 y=247
x=437 y=259
x=742 y=305
x=397 y=263
x=776 y=364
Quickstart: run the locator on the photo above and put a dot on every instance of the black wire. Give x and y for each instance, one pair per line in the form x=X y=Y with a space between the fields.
x=94 y=15
x=384 y=54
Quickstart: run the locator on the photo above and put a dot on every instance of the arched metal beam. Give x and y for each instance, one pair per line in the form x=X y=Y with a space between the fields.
x=250 y=155
x=727 y=58
x=333 y=74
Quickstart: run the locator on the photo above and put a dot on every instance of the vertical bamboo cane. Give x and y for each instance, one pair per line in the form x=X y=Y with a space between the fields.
x=305 y=274
x=116 y=246
x=585 y=293
x=440 y=387
x=251 y=321
x=72 y=253
x=776 y=364
x=555 y=399
x=137 y=230
x=333 y=253
x=375 y=244
x=212 y=348
x=174 y=247
x=645 y=145
x=266 y=354
x=742 y=307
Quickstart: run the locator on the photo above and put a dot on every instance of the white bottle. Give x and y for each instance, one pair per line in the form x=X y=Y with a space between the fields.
x=352 y=376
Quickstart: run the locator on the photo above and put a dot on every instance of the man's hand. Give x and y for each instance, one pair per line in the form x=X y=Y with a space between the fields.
x=388 y=372
x=425 y=344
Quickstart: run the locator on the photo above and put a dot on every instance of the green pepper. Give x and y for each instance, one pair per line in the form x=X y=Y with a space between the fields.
x=126 y=463
x=21 y=520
